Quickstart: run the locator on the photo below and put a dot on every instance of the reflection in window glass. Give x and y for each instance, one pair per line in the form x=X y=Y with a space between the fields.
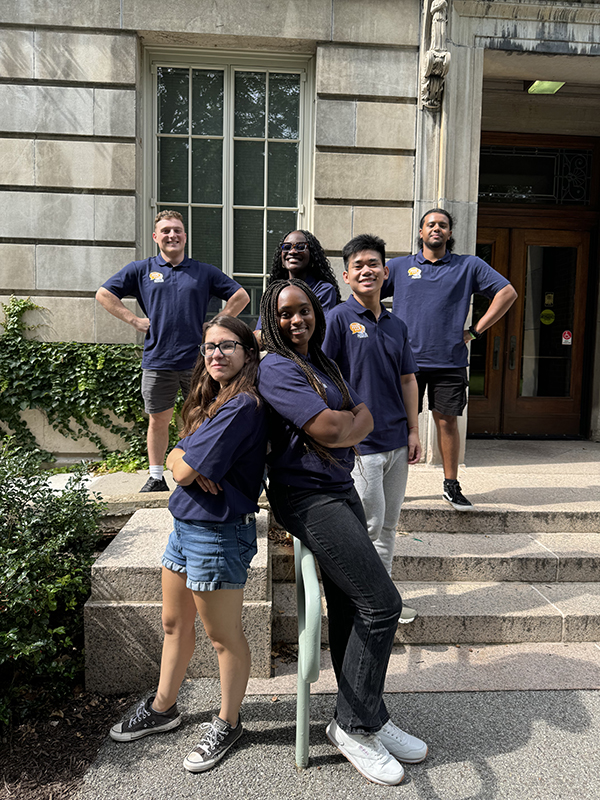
x=477 y=359
x=207 y=102
x=250 y=96
x=248 y=241
x=173 y=106
x=283 y=174
x=284 y=106
x=207 y=174
x=248 y=173
x=173 y=170
x=548 y=312
x=207 y=236
x=234 y=177
x=254 y=287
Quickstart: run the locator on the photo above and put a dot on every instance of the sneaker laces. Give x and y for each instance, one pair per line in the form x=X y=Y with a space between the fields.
x=211 y=737
x=371 y=742
x=141 y=713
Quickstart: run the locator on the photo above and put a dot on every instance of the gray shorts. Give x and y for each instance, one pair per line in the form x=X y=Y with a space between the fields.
x=160 y=387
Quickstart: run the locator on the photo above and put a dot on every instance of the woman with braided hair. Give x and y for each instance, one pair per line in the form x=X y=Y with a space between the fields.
x=315 y=423
x=300 y=255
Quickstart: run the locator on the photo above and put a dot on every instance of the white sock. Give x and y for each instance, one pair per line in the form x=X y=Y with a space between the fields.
x=156 y=471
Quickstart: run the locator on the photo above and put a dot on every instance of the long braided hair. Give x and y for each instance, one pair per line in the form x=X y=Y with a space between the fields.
x=273 y=342
x=318 y=266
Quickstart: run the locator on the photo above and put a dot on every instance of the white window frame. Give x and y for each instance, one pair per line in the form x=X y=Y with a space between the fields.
x=230 y=61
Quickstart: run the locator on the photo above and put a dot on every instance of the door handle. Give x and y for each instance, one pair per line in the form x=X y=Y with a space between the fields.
x=512 y=352
x=496 y=356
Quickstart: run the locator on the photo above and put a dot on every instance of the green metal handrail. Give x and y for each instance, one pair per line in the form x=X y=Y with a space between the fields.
x=308 y=595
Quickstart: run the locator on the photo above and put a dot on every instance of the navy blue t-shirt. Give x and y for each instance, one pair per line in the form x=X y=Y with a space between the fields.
x=325 y=293
x=372 y=356
x=285 y=387
x=229 y=449
x=433 y=299
x=175 y=300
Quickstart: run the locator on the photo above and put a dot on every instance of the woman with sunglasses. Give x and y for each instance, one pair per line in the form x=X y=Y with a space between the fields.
x=300 y=255
x=317 y=423
x=218 y=466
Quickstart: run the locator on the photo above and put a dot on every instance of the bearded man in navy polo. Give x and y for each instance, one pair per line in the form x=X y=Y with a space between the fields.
x=432 y=293
x=173 y=292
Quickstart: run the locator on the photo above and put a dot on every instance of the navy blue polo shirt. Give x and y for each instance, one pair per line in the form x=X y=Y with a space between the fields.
x=372 y=356
x=325 y=292
x=287 y=390
x=433 y=299
x=229 y=449
x=175 y=300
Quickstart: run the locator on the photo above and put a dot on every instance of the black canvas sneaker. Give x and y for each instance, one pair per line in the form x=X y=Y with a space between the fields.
x=146 y=721
x=455 y=497
x=217 y=738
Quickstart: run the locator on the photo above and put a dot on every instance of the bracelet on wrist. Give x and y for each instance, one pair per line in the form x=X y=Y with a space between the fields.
x=474 y=333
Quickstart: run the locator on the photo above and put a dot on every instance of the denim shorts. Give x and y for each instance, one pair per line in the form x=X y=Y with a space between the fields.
x=214 y=555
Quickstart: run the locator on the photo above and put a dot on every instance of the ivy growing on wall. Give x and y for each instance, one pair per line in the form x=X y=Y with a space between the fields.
x=74 y=384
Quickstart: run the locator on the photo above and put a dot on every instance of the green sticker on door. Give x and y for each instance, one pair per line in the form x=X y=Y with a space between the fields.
x=547 y=317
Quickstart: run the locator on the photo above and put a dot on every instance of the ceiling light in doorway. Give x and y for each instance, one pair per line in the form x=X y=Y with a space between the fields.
x=545 y=87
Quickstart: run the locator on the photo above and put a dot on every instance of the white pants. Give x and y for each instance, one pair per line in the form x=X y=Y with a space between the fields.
x=380 y=480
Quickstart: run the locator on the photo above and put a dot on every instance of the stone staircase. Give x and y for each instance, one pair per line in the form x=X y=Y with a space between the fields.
x=123 y=629
x=491 y=577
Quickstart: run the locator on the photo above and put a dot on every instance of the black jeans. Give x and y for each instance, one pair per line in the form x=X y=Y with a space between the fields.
x=363 y=605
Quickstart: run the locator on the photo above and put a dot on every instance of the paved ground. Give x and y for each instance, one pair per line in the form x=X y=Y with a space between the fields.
x=483 y=746
x=499 y=474
x=515 y=744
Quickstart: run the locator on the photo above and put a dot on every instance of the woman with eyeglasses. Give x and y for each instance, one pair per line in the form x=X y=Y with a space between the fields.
x=218 y=466
x=300 y=255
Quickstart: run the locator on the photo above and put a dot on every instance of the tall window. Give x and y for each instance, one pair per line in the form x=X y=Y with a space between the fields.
x=230 y=155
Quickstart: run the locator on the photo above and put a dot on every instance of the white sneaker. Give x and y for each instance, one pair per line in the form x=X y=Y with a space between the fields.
x=367 y=754
x=402 y=745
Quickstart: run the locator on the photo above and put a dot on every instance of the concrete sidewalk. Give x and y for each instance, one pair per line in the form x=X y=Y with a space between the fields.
x=499 y=475
x=509 y=745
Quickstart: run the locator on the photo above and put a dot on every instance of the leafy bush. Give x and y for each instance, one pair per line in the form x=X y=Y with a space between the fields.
x=72 y=383
x=47 y=541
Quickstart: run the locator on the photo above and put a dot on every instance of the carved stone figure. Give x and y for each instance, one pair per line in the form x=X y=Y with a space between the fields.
x=436 y=61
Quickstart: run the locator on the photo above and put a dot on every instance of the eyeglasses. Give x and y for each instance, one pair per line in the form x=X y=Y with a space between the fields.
x=226 y=348
x=299 y=247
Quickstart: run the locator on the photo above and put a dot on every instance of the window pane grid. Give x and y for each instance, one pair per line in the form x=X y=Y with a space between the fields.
x=271 y=114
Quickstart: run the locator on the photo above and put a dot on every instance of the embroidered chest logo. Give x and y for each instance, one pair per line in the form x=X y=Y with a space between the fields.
x=359 y=330
x=157 y=277
x=414 y=273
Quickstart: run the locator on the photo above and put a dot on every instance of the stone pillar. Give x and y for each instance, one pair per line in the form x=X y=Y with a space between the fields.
x=447 y=163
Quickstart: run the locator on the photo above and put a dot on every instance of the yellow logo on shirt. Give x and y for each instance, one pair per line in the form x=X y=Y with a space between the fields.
x=359 y=330
x=157 y=277
x=414 y=273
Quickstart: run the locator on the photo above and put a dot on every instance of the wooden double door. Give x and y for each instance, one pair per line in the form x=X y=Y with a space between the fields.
x=526 y=373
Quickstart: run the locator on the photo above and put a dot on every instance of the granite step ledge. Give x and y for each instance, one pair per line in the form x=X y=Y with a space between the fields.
x=484 y=612
x=428 y=517
x=123 y=628
x=425 y=556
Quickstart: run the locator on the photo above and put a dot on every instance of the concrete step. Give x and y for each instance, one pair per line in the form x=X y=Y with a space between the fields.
x=425 y=556
x=123 y=629
x=484 y=612
x=425 y=514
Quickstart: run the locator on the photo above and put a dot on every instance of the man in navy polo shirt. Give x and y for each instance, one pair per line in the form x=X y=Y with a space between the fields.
x=370 y=346
x=173 y=292
x=432 y=294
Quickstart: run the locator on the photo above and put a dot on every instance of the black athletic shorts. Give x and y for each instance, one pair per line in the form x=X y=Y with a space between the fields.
x=446 y=390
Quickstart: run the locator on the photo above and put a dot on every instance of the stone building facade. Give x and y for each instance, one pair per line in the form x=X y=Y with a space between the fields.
x=340 y=116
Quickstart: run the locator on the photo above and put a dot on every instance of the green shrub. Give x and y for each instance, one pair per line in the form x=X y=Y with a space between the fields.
x=72 y=383
x=47 y=541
